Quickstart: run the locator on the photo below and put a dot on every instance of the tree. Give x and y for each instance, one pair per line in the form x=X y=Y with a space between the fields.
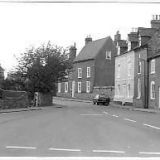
x=41 y=67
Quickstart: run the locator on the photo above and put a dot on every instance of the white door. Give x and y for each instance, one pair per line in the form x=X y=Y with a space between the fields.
x=73 y=88
x=159 y=98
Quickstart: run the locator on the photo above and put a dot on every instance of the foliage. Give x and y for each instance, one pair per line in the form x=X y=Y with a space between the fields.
x=40 y=68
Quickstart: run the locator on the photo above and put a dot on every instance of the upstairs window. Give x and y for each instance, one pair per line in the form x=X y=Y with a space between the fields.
x=152 y=66
x=79 y=72
x=88 y=72
x=139 y=67
x=66 y=87
x=118 y=70
x=87 y=86
x=152 y=90
x=59 y=87
x=108 y=55
x=129 y=68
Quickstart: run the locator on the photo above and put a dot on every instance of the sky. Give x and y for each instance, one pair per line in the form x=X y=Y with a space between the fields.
x=23 y=25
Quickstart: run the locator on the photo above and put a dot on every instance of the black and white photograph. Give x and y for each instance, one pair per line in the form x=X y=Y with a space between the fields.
x=79 y=79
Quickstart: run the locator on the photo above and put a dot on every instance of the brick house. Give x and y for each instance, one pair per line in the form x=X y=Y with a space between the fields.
x=93 y=70
x=147 y=67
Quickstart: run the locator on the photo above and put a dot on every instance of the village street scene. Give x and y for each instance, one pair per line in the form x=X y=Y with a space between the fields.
x=98 y=100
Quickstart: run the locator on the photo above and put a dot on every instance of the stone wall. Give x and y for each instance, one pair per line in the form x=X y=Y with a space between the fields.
x=13 y=99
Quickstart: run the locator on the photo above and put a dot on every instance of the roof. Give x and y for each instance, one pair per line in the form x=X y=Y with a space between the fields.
x=91 y=50
x=146 y=31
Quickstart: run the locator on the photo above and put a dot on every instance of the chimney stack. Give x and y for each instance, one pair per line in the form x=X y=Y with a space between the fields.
x=117 y=37
x=88 y=39
x=155 y=22
x=72 y=52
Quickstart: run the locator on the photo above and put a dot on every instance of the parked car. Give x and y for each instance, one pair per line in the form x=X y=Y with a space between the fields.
x=101 y=99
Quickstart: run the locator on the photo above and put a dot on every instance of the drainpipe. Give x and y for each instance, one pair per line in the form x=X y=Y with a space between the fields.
x=147 y=81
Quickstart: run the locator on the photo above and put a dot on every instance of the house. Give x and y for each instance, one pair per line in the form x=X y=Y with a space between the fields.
x=94 y=68
x=130 y=67
x=65 y=85
x=124 y=70
x=147 y=68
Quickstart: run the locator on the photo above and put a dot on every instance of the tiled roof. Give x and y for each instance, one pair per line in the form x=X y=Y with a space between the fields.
x=146 y=31
x=90 y=50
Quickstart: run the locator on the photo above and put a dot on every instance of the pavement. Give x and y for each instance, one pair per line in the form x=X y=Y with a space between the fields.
x=112 y=104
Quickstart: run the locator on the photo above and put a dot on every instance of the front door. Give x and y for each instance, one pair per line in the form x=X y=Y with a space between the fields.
x=73 y=88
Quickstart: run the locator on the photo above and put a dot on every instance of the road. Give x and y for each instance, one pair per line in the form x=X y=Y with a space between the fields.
x=80 y=129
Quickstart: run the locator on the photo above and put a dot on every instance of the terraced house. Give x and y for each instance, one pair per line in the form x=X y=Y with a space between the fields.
x=135 y=84
x=93 y=69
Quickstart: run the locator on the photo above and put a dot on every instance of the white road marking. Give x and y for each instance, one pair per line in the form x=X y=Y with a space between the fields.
x=108 y=151
x=157 y=153
x=65 y=149
x=20 y=147
x=105 y=112
x=151 y=126
x=91 y=114
x=131 y=120
x=115 y=115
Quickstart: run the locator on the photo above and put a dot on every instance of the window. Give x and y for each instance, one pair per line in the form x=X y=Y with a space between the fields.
x=139 y=67
x=153 y=93
x=152 y=66
x=59 y=87
x=118 y=90
x=79 y=87
x=108 y=55
x=129 y=45
x=87 y=86
x=88 y=72
x=66 y=86
x=139 y=88
x=129 y=68
x=79 y=72
x=118 y=71
x=129 y=90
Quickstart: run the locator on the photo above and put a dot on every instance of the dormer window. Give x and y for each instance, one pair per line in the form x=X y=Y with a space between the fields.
x=108 y=55
x=129 y=45
x=139 y=40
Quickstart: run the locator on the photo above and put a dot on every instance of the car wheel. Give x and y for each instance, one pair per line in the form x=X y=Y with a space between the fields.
x=97 y=103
